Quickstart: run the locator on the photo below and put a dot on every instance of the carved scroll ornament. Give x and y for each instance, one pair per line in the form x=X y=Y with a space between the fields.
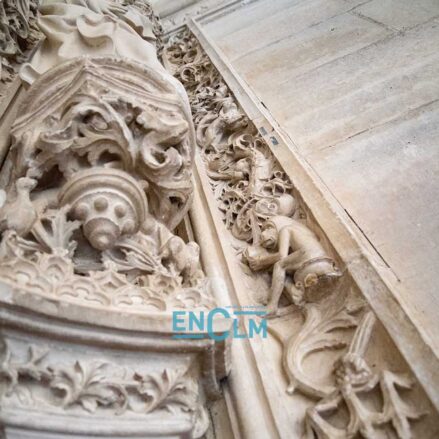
x=73 y=28
x=354 y=381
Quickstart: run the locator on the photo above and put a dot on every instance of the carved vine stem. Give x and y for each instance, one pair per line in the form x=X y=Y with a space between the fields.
x=92 y=385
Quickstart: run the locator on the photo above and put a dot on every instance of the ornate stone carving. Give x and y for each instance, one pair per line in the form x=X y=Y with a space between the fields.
x=320 y=332
x=260 y=210
x=96 y=173
x=146 y=10
x=75 y=28
x=297 y=251
x=96 y=386
x=17 y=34
x=101 y=167
x=252 y=191
x=354 y=378
x=98 y=176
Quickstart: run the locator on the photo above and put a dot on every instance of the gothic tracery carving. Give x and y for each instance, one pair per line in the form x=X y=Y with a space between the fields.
x=101 y=176
x=101 y=166
x=98 y=176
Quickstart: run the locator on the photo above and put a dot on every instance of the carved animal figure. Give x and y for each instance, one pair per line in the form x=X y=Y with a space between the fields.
x=297 y=251
x=18 y=212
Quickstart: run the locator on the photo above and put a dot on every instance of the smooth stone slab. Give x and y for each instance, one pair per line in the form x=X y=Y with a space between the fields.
x=388 y=181
x=273 y=27
x=307 y=50
x=400 y=14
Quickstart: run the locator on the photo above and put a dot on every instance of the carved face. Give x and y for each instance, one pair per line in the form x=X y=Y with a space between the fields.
x=284 y=205
x=269 y=237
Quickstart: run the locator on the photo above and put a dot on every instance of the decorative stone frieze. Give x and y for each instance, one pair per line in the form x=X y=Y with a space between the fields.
x=253 y=193
x=286 y=264
x=95 y=386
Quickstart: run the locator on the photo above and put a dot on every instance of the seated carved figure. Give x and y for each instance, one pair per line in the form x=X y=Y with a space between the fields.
x=291 y=248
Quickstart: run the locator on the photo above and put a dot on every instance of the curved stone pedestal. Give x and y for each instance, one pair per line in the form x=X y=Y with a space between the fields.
x=102 y=373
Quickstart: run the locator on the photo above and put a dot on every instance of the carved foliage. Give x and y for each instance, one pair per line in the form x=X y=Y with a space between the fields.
x=93 y=386
x=255 y=198
x=102 y=159
x=253 y=193
x=145 y=9
x=246 y=179
x=320 y=331
x=354 y=381
x=17 y=33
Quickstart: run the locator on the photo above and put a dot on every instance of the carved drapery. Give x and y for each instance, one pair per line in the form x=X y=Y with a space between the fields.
x=286 y=263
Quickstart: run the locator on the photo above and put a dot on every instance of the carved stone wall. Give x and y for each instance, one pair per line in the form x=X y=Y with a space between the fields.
x=98 y=175
x=18 y=34
x=318 y=318
x=119 y=134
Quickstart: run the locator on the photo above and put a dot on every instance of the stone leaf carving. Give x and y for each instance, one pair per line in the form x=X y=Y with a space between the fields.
x=252 y=191
x=322 y=320
x=43 y=267
x=102 y=157
x=246 y=179
x=95 y=386
x=354 y=378
x=146 y=10
x=110 y=114
x=17 y=34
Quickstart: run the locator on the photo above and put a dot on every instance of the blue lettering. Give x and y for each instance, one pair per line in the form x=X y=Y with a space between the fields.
x=212 y=313
x=254 y=328
x=176 y=321
x=236 y=333
x=199 y=323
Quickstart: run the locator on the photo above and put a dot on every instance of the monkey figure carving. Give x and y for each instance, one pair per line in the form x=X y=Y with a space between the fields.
x=291 y=248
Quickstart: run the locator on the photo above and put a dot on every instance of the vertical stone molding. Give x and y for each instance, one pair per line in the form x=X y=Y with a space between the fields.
x=99 y=175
